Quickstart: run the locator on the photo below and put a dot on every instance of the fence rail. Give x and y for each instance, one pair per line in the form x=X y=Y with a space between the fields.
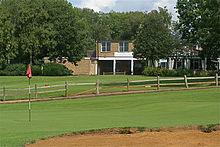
x=113 y=85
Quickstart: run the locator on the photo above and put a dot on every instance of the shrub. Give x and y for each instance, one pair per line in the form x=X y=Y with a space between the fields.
x=206 y=73
x=153 y=71
x=36 y=70
x=17 y=69
x=54 y=69
x=6 y=73
x=182 y=72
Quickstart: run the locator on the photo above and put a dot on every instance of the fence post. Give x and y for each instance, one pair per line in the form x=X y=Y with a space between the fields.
x=66 y=89
x=216 y=79
x=158 y=82
x=128 y=84
x=4 y=96
x=35 y=91
x=185 y=80
x=97 y=86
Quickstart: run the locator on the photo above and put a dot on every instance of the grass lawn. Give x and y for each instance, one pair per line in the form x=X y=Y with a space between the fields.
x=22 y=81
x=11 y=82
x=178 y=108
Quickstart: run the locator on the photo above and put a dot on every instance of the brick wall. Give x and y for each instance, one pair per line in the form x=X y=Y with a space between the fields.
x=114 y=48
x=84 y=67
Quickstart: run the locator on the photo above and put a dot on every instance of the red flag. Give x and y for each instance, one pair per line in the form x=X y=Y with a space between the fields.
x=29 y=73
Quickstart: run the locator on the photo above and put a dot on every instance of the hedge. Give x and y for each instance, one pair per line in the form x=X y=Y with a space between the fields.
x=153 y=71
x=48 y=69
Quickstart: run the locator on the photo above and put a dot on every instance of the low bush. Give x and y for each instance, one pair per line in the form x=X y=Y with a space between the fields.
x=36 y=70
x=49 y=69
x=153 y=71
x=6 y=73
x=17 y=69
x=54 y=69
x=20 y=70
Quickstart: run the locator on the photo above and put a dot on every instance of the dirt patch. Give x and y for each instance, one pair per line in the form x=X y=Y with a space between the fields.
x=141 y=137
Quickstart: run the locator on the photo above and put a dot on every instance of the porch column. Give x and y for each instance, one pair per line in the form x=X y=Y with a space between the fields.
x=185 y=63
x=218 y=63
x=170 y=63
x=156 y=63
x=205 y=64
x=188 y=63
x=132 y=66
x=96 y=67
x=114 y=66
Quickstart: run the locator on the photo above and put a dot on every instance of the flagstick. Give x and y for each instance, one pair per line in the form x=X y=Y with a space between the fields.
x=29 y=103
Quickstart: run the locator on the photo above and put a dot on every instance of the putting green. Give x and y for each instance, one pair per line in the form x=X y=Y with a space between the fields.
x=180 y=108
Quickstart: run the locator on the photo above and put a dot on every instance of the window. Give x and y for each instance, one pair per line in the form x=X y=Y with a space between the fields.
x=106 y=46
x=123 y=46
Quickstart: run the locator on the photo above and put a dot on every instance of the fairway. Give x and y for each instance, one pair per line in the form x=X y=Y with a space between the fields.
x=180 y=108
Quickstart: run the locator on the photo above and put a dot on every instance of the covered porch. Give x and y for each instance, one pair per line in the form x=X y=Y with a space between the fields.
x=118 y=66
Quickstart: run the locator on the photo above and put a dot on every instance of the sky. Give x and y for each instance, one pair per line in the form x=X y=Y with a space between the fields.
x=126 y=5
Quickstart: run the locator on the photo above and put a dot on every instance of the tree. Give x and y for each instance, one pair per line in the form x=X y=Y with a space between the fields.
x=98 y=29
x=199 y=24
x=7 y=40
x=154 y=39
x=39 y=28
x=72 y=33
x=123 y=26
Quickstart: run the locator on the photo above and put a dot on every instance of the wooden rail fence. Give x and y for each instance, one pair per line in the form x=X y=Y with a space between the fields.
x=127 y=85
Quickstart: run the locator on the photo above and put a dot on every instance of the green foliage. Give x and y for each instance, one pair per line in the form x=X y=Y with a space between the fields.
x=206 y=73
x=7 y=40
x=20 y=70
x=154 y=39
x=153 y=71
x=31 y=30
x=112 y=25
x=6 y=73
x=123 y=26
x=54 y=69
x=199 y=24
x=36 y=70
x=17 y=69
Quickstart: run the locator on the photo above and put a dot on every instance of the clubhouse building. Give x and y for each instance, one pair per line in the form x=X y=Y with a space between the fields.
x=116 y=57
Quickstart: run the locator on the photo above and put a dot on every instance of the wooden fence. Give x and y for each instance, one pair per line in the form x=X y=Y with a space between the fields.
x=157 y=83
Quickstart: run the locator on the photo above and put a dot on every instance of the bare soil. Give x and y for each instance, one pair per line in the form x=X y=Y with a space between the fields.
x=134 y=137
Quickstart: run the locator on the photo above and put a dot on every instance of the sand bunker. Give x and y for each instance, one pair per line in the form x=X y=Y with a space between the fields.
x=162 y=138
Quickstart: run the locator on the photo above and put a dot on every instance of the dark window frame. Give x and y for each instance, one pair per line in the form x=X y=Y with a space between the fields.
x=106 y=46
x=123 y=46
